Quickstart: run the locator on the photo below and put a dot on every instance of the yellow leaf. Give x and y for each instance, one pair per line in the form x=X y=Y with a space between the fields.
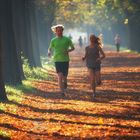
x=100 y=121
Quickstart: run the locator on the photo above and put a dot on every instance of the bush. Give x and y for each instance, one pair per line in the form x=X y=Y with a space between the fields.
x=35 y=72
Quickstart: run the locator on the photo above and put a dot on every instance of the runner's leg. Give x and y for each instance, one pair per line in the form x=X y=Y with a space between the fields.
x=92 y=80
x=98 y=77
x=60 y=82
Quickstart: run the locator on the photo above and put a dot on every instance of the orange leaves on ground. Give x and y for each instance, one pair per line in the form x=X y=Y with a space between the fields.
x=113 y=114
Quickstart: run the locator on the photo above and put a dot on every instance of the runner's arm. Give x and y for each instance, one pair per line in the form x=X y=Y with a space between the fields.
x=50 y=48
x=84 y=57
x=49 y=51
x=102 y=53
x=71 y=49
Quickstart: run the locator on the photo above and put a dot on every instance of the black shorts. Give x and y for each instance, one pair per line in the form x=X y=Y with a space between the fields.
x=62 y=67
x=95 y=68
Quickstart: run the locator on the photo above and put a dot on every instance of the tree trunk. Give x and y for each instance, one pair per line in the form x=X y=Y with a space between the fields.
x=2 y=88
x=16 y=10
x=34 y=33
x=11 y=64
x=134 y=36
x=29 y=46
x=42 y=32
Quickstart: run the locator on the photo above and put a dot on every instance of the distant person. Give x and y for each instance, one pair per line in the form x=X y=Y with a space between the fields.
x=93 y=56
x=61 y=46
x=117 y=40
x=80 y=40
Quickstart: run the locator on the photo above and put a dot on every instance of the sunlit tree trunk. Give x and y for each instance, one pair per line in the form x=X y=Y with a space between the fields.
x=42 y=31
x=34 y=33
x=29 y=46
x=48 y=10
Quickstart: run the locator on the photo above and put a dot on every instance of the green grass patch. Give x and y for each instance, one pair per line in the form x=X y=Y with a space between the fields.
x=4 y=135
x=122 y=49
x=47 y=63
x=36 y=73
x=3 y=107
x=12 y=108
x=15 y=92
x=26 y=86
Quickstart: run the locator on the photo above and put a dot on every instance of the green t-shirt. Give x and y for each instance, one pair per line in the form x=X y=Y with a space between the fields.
x=60 y=45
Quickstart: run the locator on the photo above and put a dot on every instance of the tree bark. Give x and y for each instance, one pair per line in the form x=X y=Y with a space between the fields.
x=18 y=30
x=3 y=96
x=34 y=33
x=11 y=61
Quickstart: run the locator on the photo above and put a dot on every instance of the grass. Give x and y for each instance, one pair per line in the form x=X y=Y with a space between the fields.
x=37 y=73
x=16 y=92
x=4 y=135
x=122 y=49
x=47 y=63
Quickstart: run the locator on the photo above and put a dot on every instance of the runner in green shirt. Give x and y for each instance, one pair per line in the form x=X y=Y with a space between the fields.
x=61 y=46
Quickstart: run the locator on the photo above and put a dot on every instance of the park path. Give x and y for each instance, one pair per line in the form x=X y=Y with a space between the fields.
x=113 y=115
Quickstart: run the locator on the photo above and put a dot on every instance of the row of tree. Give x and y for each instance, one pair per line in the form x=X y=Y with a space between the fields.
x=108 y=17
x=19 y=37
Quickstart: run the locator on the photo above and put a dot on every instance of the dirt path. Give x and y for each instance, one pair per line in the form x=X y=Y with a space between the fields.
x=114 y=115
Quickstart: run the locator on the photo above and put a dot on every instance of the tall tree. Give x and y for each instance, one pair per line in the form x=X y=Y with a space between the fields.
x=11 y=64
x=32 y=48
x=34 y=32
x=48 y=8
x=42 y=31
x=25 y=30
x=18 y=31
x=2 y=88
x=132 y=11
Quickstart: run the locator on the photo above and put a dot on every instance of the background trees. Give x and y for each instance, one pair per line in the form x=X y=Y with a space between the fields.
x=45 y=14
x=103 y=16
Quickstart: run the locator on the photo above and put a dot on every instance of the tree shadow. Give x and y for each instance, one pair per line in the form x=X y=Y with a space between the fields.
x=122 y=76
x=53 y=135
x=112 y=95
x=21 y=117
x=123 y=116
x=95 y=124
x=121 y=61
x=4 y=137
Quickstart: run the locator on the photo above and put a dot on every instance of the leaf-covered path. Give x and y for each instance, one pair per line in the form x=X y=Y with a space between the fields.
x=113 y=115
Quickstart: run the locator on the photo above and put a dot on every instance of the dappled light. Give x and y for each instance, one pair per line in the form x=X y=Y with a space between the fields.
x=45 y=114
